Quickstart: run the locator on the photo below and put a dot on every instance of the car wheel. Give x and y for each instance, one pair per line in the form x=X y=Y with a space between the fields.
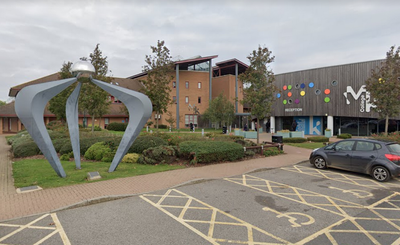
x=380 y=174
x=319 y=162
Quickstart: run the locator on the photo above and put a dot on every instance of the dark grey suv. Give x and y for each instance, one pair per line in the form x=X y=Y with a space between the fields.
x=380 y=159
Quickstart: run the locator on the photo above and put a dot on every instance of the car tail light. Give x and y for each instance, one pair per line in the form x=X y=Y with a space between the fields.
x=393 y=158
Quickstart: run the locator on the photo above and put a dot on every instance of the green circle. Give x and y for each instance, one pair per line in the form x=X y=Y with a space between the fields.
x=290 y=87
x=327 y=99
x=284 y=102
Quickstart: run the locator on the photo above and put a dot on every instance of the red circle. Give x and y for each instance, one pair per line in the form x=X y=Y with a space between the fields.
x=327 y=91
x=289 y=94
x=284 y=87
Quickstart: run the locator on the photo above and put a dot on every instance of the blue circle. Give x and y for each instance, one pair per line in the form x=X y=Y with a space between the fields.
x=302 y=85
x=311 y=85
x=278 y=95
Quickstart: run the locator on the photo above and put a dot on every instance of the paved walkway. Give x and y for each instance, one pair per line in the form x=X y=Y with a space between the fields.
x=13 y=205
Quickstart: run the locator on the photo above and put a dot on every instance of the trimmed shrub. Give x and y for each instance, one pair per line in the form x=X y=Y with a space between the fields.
x=85 y=143
x=245 y=143
x=272 y=151
x=158 y=155
x=344 y=136
x=66 y=157
x=318 y=139
x=26 y=149
x=116 y=126
x=130 y=158
x=108 y=156
x=212 y=151
x=97 y=151
x=59 y=143
x=145 y=142
x=161 y=126
x=294 y=140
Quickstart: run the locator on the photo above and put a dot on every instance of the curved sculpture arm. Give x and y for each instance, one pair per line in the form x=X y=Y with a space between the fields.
x=71 y=111
x=29 y=106
x=140 y=109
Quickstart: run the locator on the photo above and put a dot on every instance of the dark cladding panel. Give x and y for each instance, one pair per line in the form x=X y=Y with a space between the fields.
x=325 y=91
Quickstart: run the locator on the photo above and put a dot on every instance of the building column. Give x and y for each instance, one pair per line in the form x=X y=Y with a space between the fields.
x=210 y=82
x=177 y=96
x=1 y=125
x=236 y=86
x=330 y=123
x=272 y=124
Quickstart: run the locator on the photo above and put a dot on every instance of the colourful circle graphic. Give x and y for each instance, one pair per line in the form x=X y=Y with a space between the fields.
x=289 y=94
x=302 y=85
x=311 y=85
x=284 y=102
x=296 y=101
x=284 y=87
x=278 y=95
x=302 y=93
x=327 y=99
x=327 y=91
x=290 y=87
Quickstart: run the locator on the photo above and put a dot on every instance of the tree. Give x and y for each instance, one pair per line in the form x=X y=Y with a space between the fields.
x=258 y=84
x=159 y=70
x=2 y=103
x=58 y=103
x=384 y=86
x=93 y=99
x=221 y=111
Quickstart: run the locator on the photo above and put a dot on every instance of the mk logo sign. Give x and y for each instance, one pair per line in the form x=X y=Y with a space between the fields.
x=363 y=95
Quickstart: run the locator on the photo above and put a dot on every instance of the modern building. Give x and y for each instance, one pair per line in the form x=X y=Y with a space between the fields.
x=332 y=97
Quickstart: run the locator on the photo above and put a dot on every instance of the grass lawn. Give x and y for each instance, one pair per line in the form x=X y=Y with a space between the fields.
x=39 y=172
x=307 y=145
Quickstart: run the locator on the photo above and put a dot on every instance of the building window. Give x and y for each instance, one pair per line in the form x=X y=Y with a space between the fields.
x=174 y=99
x=157 y=116
x=174 y=84
x=187 y=99
x=190 y=119
x=199 y=85
x=199 y=100
x=187 y=84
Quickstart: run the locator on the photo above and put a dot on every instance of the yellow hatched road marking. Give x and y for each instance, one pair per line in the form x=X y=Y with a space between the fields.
x=349 y=179
x=58 y=229
x=374 y=208
x=210 y=234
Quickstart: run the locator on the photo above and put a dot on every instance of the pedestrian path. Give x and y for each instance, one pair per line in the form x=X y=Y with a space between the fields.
x=13 y=205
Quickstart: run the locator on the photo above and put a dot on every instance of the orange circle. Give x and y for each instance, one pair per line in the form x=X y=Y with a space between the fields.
x=284 y=87
x=289 y=94
x=327 y=91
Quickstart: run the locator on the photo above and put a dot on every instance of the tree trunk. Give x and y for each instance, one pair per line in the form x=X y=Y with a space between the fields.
x=92 y=123
x=258 y=131
x=386 y=125
x=157 y=115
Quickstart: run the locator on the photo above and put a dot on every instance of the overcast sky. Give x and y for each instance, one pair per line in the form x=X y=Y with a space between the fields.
x=38 y=36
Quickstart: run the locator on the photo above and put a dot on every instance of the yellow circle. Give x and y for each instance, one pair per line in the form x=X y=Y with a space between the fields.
x=302 y=93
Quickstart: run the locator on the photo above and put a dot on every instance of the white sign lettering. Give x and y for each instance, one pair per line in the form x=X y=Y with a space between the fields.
x=365 y=105
x=293 y=109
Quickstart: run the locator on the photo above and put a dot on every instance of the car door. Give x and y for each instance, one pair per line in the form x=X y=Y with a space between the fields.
x=364 y=153
x=340 y=157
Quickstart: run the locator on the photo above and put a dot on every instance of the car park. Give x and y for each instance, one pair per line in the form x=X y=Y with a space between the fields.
x=380 y=159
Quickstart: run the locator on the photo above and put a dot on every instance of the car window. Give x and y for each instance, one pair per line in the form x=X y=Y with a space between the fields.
x=330 y=147
x=394 y=148
x=378 y=146
x=344 y=145
x=364 y=146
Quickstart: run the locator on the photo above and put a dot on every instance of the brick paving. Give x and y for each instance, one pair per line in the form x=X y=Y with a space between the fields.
x=13 y=205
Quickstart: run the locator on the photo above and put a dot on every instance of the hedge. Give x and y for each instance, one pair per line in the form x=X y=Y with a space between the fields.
x=26 y=149
x=344 y=136
x=294 y=140
x=97 y=151
x=145 y=142
x=158 y=155
x=116 y=126
x=318 y=139
x=211 y=151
